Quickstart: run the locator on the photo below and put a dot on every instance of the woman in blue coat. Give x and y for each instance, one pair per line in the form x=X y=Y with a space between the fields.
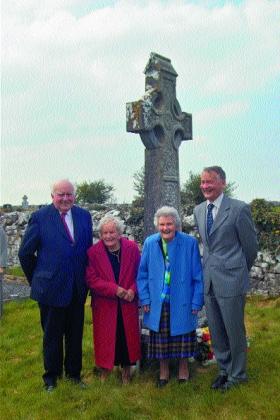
x=170 y=288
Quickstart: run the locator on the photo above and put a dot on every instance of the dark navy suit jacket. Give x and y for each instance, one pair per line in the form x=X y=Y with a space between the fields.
x=50 y=261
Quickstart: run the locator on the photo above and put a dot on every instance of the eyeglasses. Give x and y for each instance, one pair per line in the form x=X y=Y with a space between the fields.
x=61 y=195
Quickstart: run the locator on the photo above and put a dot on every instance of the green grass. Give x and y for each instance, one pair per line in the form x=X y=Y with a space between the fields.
x=23 y=397
x=15 y=271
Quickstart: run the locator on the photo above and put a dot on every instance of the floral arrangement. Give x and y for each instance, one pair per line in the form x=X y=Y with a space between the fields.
x=205 y=353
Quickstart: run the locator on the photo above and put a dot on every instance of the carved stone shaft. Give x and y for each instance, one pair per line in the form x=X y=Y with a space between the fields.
x=162 y=126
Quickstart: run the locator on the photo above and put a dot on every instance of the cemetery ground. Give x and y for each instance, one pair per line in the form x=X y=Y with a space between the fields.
x=23 y=396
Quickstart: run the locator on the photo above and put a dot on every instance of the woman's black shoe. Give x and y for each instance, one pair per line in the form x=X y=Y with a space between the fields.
x=161 y=383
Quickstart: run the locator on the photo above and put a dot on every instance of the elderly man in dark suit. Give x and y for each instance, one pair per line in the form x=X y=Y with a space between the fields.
x=229 y=249
x=53 y=255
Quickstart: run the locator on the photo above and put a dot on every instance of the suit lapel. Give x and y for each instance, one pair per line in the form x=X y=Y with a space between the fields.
x=222 y=214
x=57 y=222
x=201 y=221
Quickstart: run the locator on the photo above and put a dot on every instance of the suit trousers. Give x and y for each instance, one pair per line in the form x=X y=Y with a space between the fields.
x=63 y=333
x=226 y=322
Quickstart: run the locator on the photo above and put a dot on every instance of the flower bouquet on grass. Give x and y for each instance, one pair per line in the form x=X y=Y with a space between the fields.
x=205 y=354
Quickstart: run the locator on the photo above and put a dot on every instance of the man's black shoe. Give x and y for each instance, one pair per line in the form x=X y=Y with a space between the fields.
x=219 y=382
x=228 y=385
x=49 y=388
x=81 y=384
x=77 y=381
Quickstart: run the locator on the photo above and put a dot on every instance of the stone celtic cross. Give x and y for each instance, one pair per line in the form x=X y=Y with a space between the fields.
x=162 y=126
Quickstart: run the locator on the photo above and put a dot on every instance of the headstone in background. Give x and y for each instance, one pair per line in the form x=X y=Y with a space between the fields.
x=24 y=203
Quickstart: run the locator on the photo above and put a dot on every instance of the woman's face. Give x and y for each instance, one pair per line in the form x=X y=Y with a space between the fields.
x=167 y=227
x=110 y=236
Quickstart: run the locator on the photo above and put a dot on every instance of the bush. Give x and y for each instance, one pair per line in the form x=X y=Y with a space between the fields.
x=266 y=217
x=97 y=192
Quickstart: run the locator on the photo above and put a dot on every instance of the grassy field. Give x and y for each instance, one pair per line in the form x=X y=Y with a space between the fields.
x=23 y=397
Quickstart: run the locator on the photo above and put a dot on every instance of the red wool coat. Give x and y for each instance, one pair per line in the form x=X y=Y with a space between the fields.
x=101 y=281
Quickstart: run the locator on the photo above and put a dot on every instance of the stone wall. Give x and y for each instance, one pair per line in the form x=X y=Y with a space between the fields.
x=15 y=223
x=264 y=276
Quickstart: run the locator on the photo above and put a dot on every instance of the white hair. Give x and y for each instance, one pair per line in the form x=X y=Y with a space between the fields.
x=167 y=211
x=56 y=183
x=111 y=219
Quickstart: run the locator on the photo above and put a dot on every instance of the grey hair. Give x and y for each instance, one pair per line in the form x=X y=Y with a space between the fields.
x=218 y=170
x=111 y=219
x=54 y=185
x=166 y=211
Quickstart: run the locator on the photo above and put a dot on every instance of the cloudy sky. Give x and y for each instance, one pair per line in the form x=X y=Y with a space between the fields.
x=70 y=66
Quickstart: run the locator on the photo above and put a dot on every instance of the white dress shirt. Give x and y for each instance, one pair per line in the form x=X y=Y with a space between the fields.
x=217 y=205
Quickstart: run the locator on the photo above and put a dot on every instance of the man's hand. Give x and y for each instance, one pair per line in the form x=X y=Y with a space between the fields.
x=146 y=308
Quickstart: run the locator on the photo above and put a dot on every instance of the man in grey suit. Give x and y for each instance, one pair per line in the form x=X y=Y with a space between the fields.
x=229 y=249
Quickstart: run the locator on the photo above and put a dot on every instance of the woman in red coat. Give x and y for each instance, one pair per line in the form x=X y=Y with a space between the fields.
x=111 y=276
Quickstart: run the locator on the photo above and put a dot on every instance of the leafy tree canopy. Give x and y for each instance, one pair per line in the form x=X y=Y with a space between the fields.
x=97 y=192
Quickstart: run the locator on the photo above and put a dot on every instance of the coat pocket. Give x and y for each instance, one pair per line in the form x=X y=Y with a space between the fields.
x=233 y=264
x=43 y=274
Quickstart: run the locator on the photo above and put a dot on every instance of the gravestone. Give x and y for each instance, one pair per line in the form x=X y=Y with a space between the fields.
x=25 y=203
x=162 y=126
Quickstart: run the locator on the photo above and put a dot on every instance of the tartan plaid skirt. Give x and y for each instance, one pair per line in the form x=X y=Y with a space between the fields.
x=164 y=346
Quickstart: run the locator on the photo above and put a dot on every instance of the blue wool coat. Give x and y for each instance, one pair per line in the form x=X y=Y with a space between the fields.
x=186 y=289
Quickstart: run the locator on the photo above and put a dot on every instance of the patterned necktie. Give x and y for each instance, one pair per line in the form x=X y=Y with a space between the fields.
x=66 y=227
x=210 y=219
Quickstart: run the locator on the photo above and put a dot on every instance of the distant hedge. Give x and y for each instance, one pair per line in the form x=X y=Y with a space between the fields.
x=266 y=217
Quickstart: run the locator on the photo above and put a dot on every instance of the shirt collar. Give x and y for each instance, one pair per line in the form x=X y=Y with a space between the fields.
x=217 y=202
x=67 y=213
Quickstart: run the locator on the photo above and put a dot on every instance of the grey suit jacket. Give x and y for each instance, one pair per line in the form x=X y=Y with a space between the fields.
x=230 y=249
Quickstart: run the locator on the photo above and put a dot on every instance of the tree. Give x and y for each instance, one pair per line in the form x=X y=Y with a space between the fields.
x=139 y=182
x=191 y=194
x=137 y=206
x=97 y=192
